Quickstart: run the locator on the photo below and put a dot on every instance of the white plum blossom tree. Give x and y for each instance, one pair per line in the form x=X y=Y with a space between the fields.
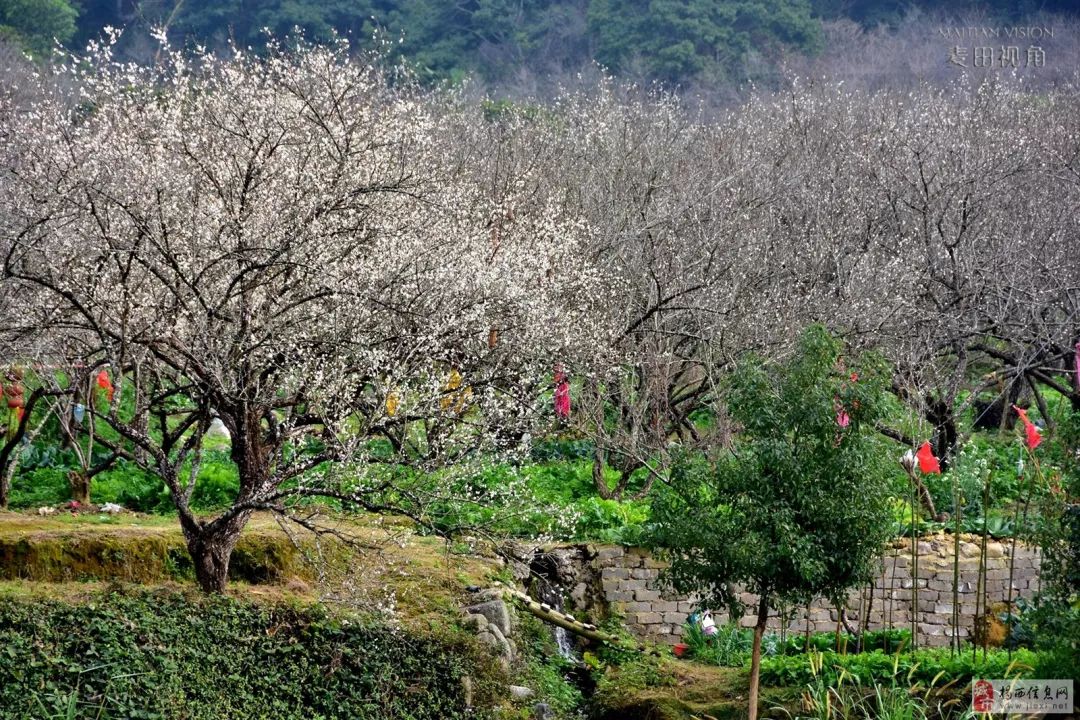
x=283 y=242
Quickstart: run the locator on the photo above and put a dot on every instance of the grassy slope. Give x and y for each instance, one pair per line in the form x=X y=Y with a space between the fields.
x=68 y=556
x=688 y=690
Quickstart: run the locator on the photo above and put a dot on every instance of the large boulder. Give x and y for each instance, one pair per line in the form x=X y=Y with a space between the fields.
x=496 y=613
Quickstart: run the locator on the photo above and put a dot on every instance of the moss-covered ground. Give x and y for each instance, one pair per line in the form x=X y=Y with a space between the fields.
x=69 y=555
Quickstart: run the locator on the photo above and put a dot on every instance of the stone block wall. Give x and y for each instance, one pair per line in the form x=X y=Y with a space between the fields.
x=626 y=579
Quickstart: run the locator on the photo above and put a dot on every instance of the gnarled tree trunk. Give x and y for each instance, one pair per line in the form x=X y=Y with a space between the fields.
x=80 y=486
x=211 y=547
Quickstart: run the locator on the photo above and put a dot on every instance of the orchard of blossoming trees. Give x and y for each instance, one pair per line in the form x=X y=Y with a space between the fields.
x=353 y=272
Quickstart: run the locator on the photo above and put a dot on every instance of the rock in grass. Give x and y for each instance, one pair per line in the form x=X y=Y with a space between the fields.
x=478 y=623
x=496 y=613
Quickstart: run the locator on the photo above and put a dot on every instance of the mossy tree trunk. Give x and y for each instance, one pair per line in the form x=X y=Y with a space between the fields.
x=755 y=657
x=80 y=486
x=211 y=543
x=211 y=547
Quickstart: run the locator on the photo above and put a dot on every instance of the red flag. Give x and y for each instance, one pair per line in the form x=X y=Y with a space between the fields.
x=928 y=464
x=562 y=394
x=1034 y=437
x=104 y=383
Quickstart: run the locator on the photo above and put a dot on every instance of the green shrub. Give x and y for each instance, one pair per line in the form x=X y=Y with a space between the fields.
x=129 y=485
x=886 y=640
x=548 y=679
x=729 y=647
x=38 y=487
x=217 y=485
x=877 y=666
x=611 y=521
x=163 y=655
x=560 y=449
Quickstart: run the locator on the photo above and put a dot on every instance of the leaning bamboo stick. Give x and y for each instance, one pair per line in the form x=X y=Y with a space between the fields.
x=568 y=622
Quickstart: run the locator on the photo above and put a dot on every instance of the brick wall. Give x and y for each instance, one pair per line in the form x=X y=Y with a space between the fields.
x=627 y=579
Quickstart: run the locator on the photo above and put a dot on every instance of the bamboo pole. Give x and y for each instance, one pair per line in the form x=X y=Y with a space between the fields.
x=568 y=622
x=980 y=587
x=914 y=565
x=1012 y=552
x=958 y=509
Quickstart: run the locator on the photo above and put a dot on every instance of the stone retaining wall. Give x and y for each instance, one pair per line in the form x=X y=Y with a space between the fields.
x=626 y=579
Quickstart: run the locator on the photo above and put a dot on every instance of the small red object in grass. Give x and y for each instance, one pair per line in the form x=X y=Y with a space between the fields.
x=680 y=649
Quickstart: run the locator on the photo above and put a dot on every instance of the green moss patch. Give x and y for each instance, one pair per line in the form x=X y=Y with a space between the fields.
x=166 y=654
x=143 y=557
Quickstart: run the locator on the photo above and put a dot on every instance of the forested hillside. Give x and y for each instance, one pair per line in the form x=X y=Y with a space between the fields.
x=699 y=43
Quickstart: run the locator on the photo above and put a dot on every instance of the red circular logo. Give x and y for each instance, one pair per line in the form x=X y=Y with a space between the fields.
x=982 y=696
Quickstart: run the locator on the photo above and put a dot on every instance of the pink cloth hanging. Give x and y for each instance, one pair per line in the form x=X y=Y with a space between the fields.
x=562 y=394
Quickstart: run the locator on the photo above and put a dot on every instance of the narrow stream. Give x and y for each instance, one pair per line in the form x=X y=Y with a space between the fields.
x=546 y=589
x=551 y=594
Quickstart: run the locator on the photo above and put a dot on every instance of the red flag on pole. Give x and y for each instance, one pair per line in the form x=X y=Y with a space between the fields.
x=1033 y=436
x=928 y=464
x=104 y=383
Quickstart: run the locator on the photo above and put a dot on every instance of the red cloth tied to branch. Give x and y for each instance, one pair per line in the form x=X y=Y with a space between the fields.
x=1032 y=435
x=562 y=394
x=928 y=464
x=105 y=384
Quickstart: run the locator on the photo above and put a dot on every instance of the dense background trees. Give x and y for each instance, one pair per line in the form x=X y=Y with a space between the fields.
x=323 y=256
x=711 y=47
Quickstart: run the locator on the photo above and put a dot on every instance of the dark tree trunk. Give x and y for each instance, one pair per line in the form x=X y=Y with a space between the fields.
x=80 y=487
x=211 y=558
x=625 y=472
x=141 y=421
x=946 y=436
x=755 y=657
x=211 y=544
x=997 y=414
x=211 y=548
x=7 y=472
x=602 y=487
x=9 y=449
